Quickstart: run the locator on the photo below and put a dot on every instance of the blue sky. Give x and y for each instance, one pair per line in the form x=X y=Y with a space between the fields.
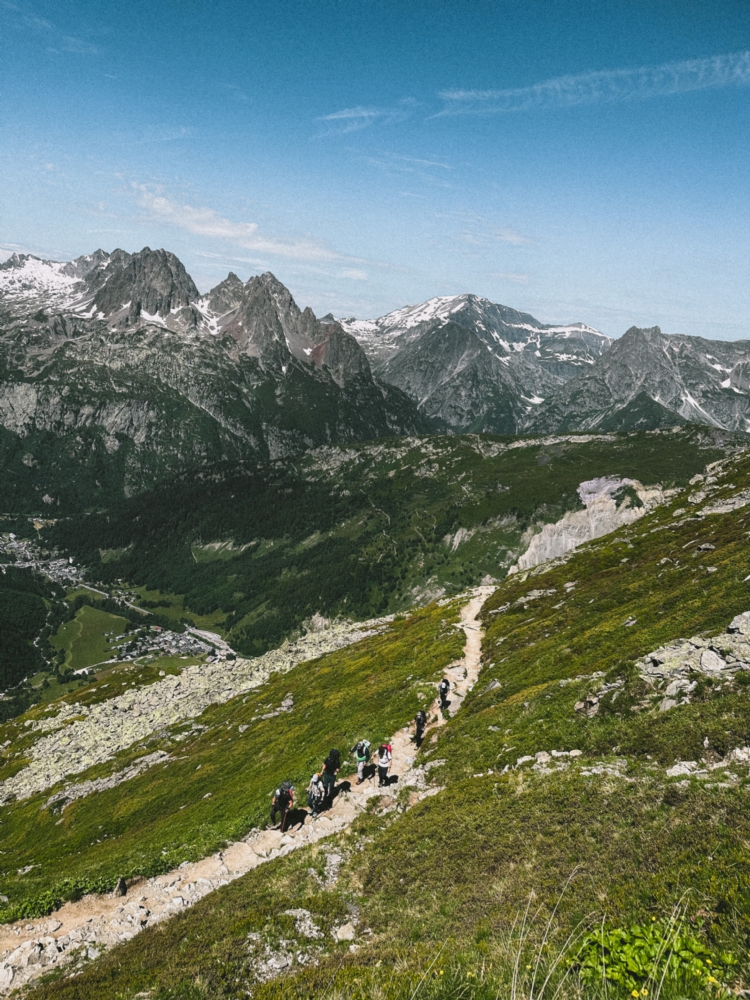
x=581 y=161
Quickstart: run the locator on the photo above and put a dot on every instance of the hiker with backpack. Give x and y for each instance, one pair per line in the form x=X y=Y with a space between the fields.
x=420 y=722
x=283 y=800
x=443 y=688
x=316 y=794
x=361 y=753
x=385 y=759
x=330 y=769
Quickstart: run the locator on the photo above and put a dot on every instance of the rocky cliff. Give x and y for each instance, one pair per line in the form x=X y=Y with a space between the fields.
x=650 y=379
x=115 y=373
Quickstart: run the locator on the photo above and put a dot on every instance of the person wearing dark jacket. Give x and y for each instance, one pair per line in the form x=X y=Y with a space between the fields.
x=282 y=802
x=328 y=773
x=420 y=721
x=443 y=688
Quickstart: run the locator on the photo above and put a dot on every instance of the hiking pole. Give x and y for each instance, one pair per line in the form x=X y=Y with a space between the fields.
x=283 y=822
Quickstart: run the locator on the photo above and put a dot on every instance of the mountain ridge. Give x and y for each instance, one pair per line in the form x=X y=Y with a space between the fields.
x=115 y=372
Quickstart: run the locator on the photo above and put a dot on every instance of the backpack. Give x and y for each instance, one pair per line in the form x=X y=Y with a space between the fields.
x=316 y=791
x=363 y=749
x=333 y=760
x=421 y=718
x=284 y=792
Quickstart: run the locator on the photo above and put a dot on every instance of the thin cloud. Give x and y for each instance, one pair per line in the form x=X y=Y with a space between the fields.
x=57 y=42
x=514 y=278
x=206 y=222
x=422 y=163
x=605 y=87
x=357 y=118
x=506 y=235
x=69 y=43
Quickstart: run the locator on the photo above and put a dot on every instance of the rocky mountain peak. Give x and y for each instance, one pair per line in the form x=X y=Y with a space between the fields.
x=225 y=296
x=150 y=282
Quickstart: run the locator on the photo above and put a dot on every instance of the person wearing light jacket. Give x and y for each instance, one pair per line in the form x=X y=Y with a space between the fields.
x=385 y=759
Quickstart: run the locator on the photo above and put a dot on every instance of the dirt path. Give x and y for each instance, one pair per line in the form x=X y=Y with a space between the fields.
x=83 y=929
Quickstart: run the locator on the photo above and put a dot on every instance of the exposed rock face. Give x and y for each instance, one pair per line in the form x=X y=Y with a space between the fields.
x=139 y=378
x=458 y=381
x=605 y=510
x=650 y=379
x=473 y=364
x=152 y=281
x=671 y=669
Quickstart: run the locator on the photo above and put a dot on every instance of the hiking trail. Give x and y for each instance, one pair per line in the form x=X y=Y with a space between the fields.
x=83 y=929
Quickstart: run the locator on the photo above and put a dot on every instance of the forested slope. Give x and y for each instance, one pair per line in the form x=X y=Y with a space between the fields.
x=359 y=532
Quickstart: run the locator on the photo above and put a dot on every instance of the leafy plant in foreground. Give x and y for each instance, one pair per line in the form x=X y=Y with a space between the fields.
x=642 y=957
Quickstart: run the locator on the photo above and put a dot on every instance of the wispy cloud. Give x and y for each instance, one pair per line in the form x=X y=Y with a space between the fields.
x=432 y=171
x=418 y=162
x=357 y=118
x=605 y=87
x=515 y=279
x=507 y=235
x=56 y=41
x=69 y=43
x=206 y=222
x=236 y=92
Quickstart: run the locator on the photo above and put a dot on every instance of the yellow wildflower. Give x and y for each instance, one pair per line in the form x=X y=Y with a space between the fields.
x=634 y=993
x=712 y=979
x=644 y=992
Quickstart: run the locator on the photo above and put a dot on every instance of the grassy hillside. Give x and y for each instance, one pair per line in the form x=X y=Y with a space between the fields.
x=216 y=783
x=359 y=532
x=488 y=888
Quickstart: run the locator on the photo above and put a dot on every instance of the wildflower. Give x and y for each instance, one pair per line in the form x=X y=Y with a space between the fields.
x=709 y=962
x=712 y=979
x=528 y=966
x=644 y=992
x=634 y=993
x=441 y=972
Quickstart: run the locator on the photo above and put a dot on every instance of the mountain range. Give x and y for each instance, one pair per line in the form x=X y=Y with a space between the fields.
x=478 y=366
x=116 y=373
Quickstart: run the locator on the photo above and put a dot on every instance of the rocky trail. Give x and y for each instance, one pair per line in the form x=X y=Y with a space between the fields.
x=80 y=931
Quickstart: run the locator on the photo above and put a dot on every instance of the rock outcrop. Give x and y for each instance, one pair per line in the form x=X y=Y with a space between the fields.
x=609 y=503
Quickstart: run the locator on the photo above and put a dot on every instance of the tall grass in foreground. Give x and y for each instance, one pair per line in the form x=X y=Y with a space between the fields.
x=534 y=958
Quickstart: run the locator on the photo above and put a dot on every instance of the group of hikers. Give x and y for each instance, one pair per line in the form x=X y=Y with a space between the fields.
x=322 y=787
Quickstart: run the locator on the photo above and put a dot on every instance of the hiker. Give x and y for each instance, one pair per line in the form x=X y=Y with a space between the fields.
x=361 y=753
x=283 y=800
x=385 y=759
x=330 y=769
x=420 y=721
x=443 y=688
x=316 y=794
